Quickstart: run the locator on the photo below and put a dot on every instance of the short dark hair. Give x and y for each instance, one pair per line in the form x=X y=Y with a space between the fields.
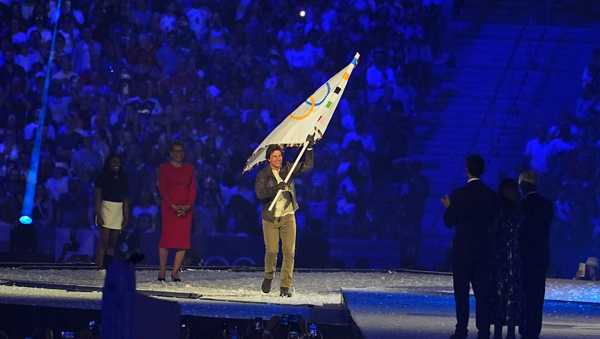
x=273 y=148
x=176 y=143
x=475 y=165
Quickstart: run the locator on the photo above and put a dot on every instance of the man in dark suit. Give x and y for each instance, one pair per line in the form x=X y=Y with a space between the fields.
x=537 y=213
x=471 y=210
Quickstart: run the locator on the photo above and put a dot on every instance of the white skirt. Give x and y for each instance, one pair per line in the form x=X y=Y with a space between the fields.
x=112 y=214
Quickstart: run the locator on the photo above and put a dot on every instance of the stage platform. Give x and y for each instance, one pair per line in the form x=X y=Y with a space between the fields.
x=388 y=314
x=378 y=304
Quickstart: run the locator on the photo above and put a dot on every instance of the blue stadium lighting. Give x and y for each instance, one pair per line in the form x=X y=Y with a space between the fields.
x=25 y=220
x=32 y=173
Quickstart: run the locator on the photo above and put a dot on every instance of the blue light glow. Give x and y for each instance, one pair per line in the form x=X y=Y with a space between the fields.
x=25 y=220
x=37 y=145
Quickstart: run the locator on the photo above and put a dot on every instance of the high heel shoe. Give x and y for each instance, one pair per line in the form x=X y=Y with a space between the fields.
x=175 y=279
x=161 y=277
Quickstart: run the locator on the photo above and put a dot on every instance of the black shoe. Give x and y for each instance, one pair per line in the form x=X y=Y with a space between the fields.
x=497 y=332
x=285 y=292
x=175 y=279
x=266 y=285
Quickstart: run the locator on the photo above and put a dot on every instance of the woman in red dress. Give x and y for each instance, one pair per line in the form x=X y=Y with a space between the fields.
x=177 y=186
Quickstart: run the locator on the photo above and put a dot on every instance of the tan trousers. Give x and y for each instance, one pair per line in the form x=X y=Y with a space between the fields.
x=283 y=228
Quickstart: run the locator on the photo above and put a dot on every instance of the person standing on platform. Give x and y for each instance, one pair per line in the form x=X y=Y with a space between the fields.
x=471 y=210
x=177 y=186
x=280 y=223
x=537 y=214
x=507 y=274
x=112 y=208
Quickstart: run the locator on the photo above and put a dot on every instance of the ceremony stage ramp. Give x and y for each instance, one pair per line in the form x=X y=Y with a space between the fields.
x=344 y=304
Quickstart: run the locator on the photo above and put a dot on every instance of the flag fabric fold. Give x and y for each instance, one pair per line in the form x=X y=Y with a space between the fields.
x=310 y=117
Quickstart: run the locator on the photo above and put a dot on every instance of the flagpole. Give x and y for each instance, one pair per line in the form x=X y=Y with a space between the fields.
x=289 y=175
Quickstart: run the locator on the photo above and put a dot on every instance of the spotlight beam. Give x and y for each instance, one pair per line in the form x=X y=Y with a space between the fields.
x=30 y=184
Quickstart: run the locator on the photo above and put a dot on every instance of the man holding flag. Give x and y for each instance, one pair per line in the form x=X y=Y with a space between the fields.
x=280 y=221
x=274 y=183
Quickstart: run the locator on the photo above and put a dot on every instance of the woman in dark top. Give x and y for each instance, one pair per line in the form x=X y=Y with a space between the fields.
x=112 y=208
x=507 y=260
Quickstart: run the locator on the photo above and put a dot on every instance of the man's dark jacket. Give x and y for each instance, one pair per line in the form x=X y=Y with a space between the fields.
x=472 y=212
x=537 y=213
x=265 y=185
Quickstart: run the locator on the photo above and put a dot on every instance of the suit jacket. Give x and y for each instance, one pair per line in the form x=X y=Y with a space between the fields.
x=537 y=214
x=472 y=212
x=265 y=184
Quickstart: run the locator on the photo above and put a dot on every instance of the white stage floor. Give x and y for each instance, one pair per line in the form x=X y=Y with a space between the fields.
x=312 y=288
